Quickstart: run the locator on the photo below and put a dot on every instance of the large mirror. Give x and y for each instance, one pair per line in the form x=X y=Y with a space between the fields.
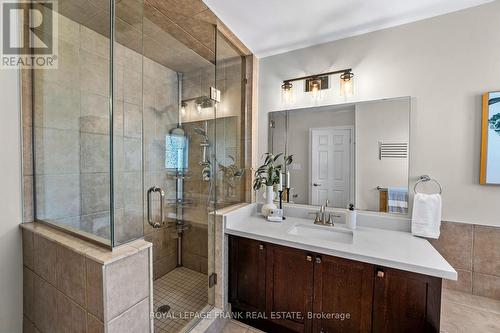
x=350 y=153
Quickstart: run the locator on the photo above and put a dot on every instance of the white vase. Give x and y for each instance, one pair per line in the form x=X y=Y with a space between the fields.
x=269 y=205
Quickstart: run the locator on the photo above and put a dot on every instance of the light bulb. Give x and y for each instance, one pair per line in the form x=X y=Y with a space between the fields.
x=315 y=86
x=347 y=84
x=199 y=107
x=315 y=89
x=287 y=93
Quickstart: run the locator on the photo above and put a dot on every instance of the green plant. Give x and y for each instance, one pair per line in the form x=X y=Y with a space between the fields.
x=268 y=174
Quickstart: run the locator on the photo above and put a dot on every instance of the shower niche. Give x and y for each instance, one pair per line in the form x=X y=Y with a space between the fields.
x=129 y=141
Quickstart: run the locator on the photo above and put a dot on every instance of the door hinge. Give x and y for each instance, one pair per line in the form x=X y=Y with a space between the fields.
x=212 y=280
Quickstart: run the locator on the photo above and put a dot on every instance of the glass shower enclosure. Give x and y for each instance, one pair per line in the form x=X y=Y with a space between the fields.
x=140 y=132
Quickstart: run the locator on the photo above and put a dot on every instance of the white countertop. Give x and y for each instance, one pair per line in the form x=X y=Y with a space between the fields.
x=395 y=249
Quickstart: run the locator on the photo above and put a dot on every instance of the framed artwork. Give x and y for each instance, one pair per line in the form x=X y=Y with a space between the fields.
x=490 y=143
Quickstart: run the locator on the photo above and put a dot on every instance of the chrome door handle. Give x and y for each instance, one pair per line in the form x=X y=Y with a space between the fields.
x=316 y=184
x=162 y=196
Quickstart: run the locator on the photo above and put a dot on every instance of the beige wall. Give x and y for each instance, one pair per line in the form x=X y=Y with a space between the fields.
x=381 y=121
x=445 y=63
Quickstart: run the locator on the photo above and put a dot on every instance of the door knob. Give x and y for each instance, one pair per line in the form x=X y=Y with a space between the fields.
x=316 y=184
x=380 y=274
x=309 y=258
x=318 y=260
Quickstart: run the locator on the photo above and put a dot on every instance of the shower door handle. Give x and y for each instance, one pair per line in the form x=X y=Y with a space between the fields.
x=150 y=218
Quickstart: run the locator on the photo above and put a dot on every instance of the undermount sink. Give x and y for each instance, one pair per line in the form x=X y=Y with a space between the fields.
x=330 y=234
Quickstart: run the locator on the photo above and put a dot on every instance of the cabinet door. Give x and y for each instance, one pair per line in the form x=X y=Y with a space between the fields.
x=343 y=294
x=247 y=270
x=405 y=302
x=289 y=289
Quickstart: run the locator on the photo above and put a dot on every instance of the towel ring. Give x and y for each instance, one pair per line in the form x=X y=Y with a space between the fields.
x=426 y=178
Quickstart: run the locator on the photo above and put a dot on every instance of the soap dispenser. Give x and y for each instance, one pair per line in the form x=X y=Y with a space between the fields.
x=351 y=217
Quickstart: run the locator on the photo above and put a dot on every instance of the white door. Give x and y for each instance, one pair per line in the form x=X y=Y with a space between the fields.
x=330 y=174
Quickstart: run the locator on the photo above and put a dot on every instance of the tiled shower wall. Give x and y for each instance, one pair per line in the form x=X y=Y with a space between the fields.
x=72 y=135
x=474 y=252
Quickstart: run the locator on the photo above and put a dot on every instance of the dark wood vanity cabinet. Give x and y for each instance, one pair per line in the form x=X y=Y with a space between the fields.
x=406 y=302
x=299 y=291
x=342 y=287
x=247 y=274
x=289 y=289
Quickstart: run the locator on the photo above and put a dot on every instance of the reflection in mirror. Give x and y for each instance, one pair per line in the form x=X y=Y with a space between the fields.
x=350 y=153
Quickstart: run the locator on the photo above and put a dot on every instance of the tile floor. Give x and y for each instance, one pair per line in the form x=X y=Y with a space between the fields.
x=460 y=313
x=184 y=290
x=464 y=313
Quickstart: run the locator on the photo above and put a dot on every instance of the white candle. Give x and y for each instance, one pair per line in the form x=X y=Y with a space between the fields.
x=288 y=183
x=280 y=185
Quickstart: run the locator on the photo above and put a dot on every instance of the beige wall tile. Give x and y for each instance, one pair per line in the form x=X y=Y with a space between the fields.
x=70 y=316
x=45 y=306
x=164 y=265
x=94 y=153
x=94 y=289
x=94 y=325
x=195 y=240
x=94 y=113
x=66 y=74
x=56 y=196
x=93 y=42
x=29 y=294
x=70 y=274
x=487 y=250
x=132 y=154
x=127 y=282
x=95 y=192
x=486 y=285
x=94 y=73
x=45 y=258
x=27 y=150
x=132 y=87
x=28 y=246
x=57 y=105
x=57 y=151
x=135 y=319
x=132 y=121
x=455 y=244
x=28 y=199
x=28 y=326
x=464 y=282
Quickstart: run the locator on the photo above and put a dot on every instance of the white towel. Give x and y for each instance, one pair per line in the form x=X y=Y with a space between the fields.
x=426 y=218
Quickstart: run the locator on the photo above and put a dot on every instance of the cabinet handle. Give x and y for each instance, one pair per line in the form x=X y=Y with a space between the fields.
x=309 y=258
x=261 y=247
x=318 y=260
x=380 y=274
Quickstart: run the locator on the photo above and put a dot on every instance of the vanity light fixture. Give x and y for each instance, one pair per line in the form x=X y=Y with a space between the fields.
x=317 y=82
x=347 y=84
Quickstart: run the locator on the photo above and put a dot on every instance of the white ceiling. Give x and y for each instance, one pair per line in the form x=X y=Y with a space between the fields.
x=269 y=27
